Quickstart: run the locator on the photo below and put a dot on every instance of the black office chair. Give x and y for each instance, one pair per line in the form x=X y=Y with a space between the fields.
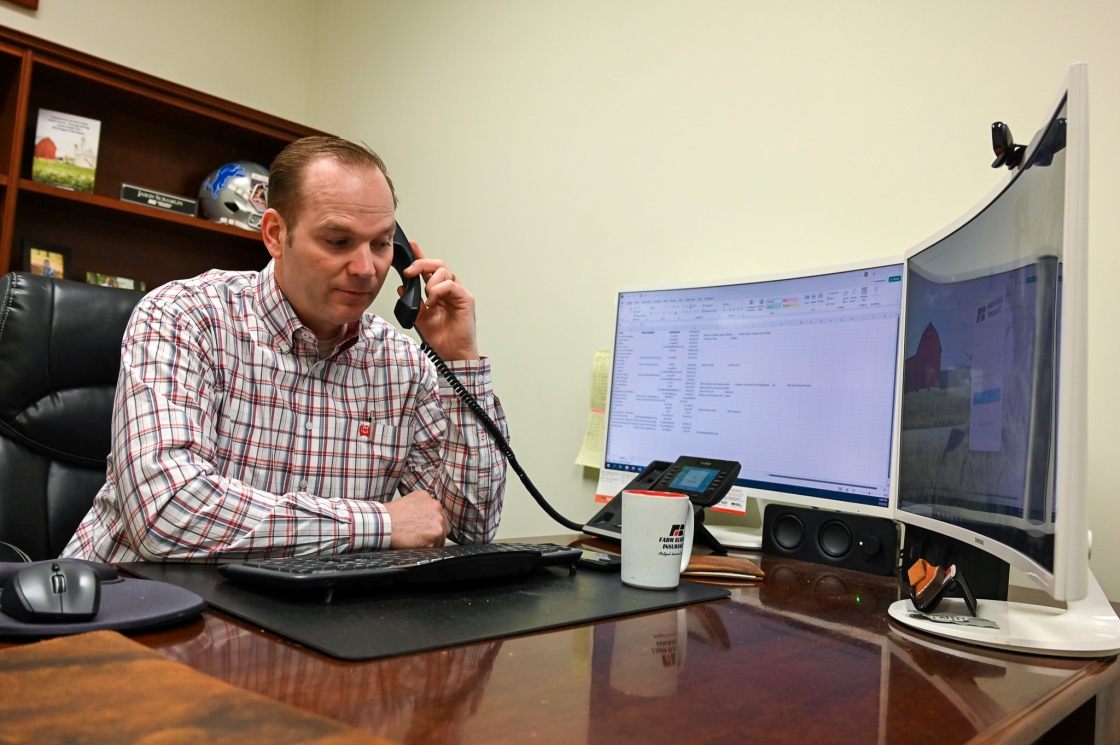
x=60 y=351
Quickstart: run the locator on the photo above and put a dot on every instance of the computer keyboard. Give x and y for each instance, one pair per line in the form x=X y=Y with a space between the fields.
x=401 y=566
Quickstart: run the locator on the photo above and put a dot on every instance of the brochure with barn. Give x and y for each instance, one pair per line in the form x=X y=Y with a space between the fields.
x=66 y=150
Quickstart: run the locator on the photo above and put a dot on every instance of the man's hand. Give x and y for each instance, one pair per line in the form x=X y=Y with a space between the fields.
x=446 y=318
x=418 y=521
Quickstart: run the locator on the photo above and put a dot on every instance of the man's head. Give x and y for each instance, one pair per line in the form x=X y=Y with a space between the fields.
x=329 y=226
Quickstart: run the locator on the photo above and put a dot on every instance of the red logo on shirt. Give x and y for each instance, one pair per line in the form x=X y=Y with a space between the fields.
x=363 y=430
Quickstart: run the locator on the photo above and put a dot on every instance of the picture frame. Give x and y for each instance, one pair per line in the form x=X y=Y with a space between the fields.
x=120 y=283
x=46 y=259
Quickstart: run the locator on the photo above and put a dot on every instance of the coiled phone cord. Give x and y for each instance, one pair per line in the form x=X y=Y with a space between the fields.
x=475 y=407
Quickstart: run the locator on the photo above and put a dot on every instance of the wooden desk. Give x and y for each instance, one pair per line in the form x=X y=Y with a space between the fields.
x=808 y=656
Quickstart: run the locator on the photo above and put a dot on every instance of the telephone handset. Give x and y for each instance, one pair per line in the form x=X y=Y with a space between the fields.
x=406 y=310
x=408 y=305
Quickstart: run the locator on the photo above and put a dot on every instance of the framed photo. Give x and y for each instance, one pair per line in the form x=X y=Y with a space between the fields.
x=108 y=280
x=45 y=259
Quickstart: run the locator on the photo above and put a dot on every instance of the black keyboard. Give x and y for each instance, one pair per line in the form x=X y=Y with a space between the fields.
x=401 y=566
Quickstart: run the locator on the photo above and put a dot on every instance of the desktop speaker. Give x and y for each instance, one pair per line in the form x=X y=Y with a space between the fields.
x=987 y=576
x=866 y=544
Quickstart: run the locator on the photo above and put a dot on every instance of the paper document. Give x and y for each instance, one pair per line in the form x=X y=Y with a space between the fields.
x=611 y=483
x=734 y=501
x=591 y=453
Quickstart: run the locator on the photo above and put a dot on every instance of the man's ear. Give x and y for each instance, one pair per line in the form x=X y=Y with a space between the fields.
x=274 y=231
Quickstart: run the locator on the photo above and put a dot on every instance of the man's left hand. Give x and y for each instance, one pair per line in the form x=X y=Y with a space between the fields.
x=446 y=317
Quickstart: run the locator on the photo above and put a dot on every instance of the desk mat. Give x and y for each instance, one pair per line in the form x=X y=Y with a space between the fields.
x=384 y=623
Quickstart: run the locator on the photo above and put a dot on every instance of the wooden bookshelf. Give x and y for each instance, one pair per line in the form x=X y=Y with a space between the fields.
x=154 y=134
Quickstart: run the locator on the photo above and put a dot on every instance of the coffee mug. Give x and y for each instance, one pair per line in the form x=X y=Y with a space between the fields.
x=657 y=532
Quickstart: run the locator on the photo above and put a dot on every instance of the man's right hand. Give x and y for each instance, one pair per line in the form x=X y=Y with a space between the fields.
x=418 y=520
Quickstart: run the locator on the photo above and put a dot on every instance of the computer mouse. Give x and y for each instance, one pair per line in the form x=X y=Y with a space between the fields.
x=52 y=592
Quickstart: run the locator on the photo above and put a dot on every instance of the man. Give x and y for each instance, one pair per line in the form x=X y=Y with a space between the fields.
x=267 y=414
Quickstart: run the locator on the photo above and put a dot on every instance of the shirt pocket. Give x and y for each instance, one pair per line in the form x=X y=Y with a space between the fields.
x=388 y=447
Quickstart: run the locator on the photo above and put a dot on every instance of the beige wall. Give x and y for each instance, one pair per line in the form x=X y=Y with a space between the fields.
x=551 y=151
x=254 y=52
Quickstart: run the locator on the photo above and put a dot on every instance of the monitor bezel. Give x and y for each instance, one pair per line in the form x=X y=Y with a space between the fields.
x=765 y=495
x=1069 y=578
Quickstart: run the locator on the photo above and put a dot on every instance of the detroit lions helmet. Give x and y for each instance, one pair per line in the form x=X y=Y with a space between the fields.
x=236 y=194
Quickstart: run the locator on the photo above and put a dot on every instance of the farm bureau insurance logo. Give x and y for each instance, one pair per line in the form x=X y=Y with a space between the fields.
x=674 y=542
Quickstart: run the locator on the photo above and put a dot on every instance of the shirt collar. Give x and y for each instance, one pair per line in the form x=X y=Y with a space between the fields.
x=275 y=310
x=281 y=320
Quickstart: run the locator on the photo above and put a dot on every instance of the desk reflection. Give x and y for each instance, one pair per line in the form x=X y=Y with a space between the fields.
x=965 y=690
x=647 y=654
x=411 y=699
x=809 y=655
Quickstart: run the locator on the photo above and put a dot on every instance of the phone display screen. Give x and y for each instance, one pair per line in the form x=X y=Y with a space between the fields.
x=694 y=479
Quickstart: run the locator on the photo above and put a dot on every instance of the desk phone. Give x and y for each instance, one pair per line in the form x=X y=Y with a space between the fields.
x=705 y=481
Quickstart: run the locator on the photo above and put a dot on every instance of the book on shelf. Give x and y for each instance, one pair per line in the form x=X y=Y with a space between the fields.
x=66 y=150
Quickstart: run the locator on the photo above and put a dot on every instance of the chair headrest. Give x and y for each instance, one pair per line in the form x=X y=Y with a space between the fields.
x=57 y=339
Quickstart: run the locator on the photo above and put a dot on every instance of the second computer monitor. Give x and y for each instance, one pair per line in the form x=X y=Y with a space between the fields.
x=793 y=377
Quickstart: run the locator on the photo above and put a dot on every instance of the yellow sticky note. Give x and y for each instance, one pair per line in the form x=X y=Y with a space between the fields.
x=591 y=453
x=599 y=375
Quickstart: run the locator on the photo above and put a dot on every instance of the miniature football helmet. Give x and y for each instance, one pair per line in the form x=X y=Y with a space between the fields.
x=236 y=194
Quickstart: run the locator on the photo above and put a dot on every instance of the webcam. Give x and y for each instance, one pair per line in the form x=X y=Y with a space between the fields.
x=1007 y=152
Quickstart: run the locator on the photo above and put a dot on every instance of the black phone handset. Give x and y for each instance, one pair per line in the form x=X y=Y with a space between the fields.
x=406 y=310
x=408 y=305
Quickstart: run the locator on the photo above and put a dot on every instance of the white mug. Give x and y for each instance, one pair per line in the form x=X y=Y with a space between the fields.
x=657 y=533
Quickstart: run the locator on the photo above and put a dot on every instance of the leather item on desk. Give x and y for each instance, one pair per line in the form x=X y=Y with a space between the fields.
x=921 y=574
x=734 y=568
x=102 y=687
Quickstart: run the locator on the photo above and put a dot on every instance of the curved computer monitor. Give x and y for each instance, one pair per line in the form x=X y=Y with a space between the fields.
x=993 y=406
x=794 y=376
x=993 y=420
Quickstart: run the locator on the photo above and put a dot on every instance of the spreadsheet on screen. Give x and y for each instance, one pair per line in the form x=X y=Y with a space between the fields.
x=794 y=379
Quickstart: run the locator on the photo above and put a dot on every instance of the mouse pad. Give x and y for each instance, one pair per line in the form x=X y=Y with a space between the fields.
x=383 y=623
x=126 y=605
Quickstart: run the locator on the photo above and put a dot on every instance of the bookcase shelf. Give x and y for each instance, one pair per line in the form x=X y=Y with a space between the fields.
x=154 y=134
x=179 y=223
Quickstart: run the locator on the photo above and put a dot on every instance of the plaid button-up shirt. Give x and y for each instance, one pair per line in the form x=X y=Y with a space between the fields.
x=231 y=437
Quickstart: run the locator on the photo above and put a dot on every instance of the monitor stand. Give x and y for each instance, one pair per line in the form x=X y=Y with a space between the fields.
x=1087 y=628
x=737 y=536
x=741 y=536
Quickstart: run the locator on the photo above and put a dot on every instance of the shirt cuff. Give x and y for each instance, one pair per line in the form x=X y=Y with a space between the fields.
x=473 y=374
x=370 y=524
